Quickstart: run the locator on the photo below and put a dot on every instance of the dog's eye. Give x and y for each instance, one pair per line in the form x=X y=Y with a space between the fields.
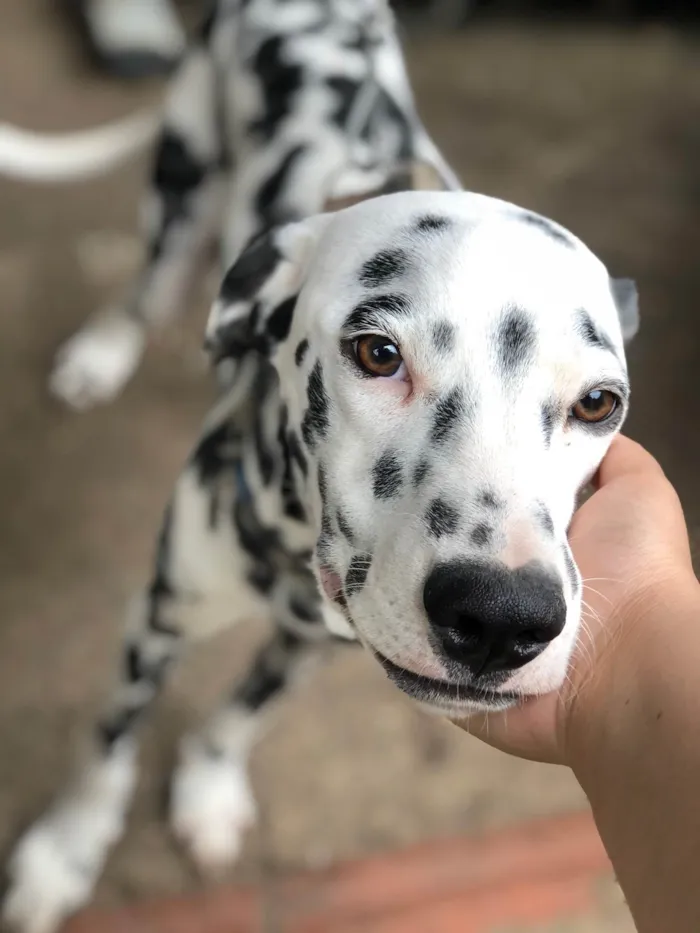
x=595 y=406
x=377 y=355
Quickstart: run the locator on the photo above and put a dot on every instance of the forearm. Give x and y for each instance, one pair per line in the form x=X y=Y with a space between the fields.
x=638 y=760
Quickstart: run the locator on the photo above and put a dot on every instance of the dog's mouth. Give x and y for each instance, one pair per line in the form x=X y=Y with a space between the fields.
x=443 y=694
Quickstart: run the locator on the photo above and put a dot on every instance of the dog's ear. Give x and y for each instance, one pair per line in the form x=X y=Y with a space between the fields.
x=255 y=305
x=624 y=292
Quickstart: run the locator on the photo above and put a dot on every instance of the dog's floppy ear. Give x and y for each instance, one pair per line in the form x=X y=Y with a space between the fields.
x=255 y=305
x=624 y=292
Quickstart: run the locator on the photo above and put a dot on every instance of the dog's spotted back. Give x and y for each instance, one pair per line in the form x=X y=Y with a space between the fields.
x=277 y=108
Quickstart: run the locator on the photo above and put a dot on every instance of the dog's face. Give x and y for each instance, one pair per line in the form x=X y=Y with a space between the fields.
x=454 y=372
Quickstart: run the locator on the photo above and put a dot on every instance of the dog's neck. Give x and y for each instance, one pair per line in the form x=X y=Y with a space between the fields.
x=416 y=176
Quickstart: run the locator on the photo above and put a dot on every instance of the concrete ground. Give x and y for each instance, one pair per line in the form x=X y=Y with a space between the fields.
x=595 y=128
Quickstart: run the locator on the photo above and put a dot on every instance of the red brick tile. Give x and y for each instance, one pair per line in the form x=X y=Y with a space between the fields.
x=225 y=910
x=549 y=856
x=527 y=905
x=531 y=874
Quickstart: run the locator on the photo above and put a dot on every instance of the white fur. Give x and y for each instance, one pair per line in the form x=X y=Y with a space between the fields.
x=212 y=805
x=55 y=865
x=43 y=157
x=96 y=362
x=128 y=27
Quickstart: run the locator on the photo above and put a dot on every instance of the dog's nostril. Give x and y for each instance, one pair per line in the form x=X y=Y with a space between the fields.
x=463 y=634
x=536 y=636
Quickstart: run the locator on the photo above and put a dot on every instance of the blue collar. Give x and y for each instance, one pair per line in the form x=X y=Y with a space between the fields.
x=242 y=486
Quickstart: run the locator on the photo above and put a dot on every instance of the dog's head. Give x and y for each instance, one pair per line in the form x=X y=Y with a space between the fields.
x=454 y=372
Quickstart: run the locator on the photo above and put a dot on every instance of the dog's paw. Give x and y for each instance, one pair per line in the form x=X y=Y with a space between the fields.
x=211 y=808
x=45 y=886
x=96 y=363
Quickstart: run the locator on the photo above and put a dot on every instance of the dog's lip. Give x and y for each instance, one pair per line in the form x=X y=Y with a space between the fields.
x=436 y=692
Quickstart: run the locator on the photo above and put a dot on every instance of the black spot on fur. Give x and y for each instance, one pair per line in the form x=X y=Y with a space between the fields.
x=132 y=664
x=301 y=351
x=206 y=26
x=261 y=543
x=383 y=113
x=216 y=452
x=176 y=170
x=161 y=588
x=357 y=573
x=516 y=341
x=387 y=476
x=373 y=312
x=280 y=83
x=315 y=422
x=488 y=499
x=591 y=334
x=481 y=534
x=268 y=674
x=548 y=227
x=383 y=268
x=294 y=509
x=260 y=686
x=303 y=610
x=268 y=203
x=447 y=414
x=266 y=459
x=344 y=526
x=444 y=336
x=432 y=222
x=177 y=173
x=549 y=418
x=322 y=484
x=442 y=518
x=262 y=577
x=297 y=454
x=545 y=519
x=251 y=270
x=292 y=505
x=280 y=321
x=420 y=472
x=114 y=728
x=345 y=91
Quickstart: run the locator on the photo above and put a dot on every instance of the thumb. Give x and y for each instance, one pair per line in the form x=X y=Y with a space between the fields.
x=627 y=458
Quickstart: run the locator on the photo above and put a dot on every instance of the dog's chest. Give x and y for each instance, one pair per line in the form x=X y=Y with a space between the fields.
x=265 y=471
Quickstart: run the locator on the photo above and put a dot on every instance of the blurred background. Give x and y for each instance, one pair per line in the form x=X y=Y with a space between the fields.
x=586 y=112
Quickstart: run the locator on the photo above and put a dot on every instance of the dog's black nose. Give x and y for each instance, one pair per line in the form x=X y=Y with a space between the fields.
x=491 y=618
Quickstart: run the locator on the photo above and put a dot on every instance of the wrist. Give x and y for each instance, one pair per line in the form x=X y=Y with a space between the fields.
x=635 y=675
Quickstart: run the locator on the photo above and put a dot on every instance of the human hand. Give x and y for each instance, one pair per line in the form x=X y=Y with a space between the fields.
x=631 y=545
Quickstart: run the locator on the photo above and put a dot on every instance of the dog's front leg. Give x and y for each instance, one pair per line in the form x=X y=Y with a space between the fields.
x=211 y=801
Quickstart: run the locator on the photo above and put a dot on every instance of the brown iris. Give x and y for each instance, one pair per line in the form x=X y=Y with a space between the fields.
x=377 y=355
x=595 y=406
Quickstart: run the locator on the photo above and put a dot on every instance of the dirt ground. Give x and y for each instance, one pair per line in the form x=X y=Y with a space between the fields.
x=598 y=129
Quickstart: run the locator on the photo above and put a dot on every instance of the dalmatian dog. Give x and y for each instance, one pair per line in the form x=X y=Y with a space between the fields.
x=415 y=385
x=419 y=386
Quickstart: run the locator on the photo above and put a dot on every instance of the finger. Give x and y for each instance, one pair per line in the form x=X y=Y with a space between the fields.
x=627 y=458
